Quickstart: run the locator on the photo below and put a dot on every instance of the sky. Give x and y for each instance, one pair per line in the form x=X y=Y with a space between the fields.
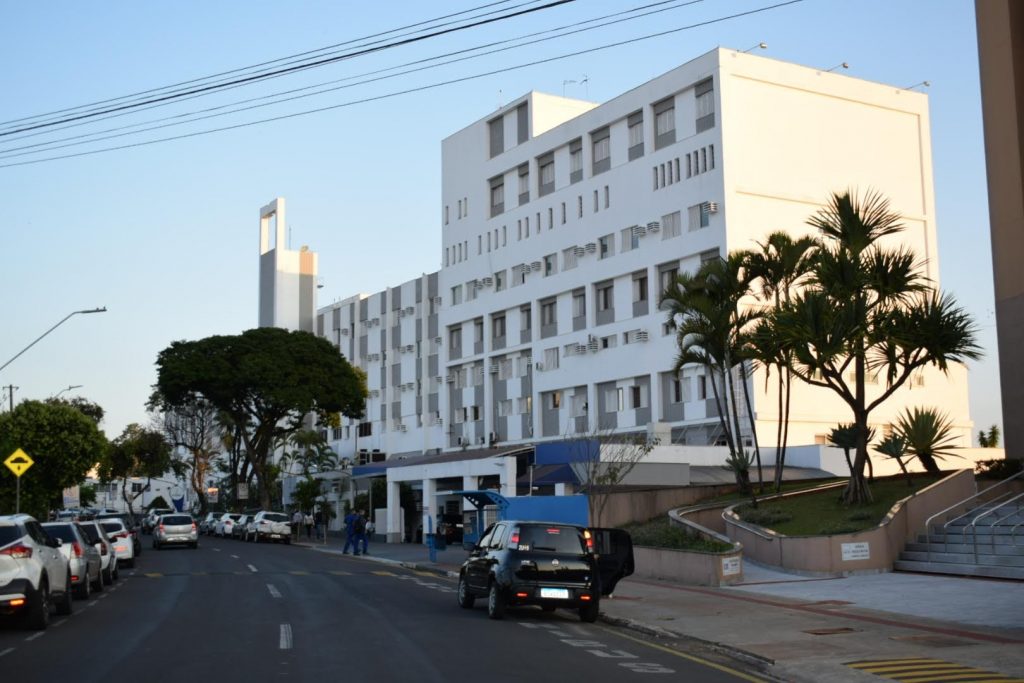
x=165 y=235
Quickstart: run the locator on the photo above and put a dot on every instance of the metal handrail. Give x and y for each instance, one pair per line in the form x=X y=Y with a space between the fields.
x=1000 y=521
x=973 y=525
x=945 y=527
x=928 y=522
x=1013 y=534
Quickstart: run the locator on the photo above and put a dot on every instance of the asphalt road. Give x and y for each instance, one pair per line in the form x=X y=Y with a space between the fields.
x=233 y=611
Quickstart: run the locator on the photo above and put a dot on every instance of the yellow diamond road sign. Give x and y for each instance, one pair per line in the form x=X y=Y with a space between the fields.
x=18 y=462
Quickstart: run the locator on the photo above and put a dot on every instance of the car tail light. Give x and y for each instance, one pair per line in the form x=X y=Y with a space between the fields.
x=193 y=526
x=585 y=598
x=589 y=539
x=17 y=602
x=77 y=548
x=74 y=577
x=513 y=540
x=161 y=528
x=522 y=595
x=18 y=552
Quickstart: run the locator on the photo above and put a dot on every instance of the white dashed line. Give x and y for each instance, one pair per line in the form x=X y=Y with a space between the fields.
x=92 y=603
x=60 y=623
x=251 y=568
x=286 y=636
x=216 y=550
x=105 y=595
x=35 y=635
x=6 y=652
x=274 y=593
x=235 y=556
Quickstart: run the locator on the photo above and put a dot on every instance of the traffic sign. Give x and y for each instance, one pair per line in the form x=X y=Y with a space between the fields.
x=18 y=462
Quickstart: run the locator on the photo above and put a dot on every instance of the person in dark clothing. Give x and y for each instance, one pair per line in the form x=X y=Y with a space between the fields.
x=350 y=534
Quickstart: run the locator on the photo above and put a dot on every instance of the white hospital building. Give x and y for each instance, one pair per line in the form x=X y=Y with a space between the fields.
x=561 y=221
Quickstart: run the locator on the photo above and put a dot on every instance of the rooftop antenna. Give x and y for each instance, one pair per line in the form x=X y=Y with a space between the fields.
x=843 y=65
x=499 y=98
x=565 y=83
x=763 y=46
x=586 y=86
x=922 y=84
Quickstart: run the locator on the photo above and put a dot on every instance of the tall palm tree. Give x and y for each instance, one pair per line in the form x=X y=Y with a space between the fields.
x=710 y=324
x=779 y=265
x=867 y=309
x=928 y=435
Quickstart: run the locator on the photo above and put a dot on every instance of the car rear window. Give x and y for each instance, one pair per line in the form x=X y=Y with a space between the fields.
x=275 y=517
x=62 y=531
x=176 y=520
x=9 y=534
x=112 y=527
x=236 y=517
x=551 y=538
x=91 y=533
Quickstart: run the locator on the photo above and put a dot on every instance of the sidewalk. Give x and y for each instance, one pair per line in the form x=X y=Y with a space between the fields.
x=809 y=629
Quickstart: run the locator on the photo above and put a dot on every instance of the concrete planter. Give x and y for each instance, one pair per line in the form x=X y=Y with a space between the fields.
x=691 y=567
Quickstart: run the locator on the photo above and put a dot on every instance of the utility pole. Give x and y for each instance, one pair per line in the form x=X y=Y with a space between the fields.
x=10 y=392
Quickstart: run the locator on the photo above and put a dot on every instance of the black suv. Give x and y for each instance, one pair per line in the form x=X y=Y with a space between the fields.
x=550 y=564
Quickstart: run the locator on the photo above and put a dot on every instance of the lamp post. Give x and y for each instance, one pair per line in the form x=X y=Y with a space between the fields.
x=69 y=388
x=61 y=322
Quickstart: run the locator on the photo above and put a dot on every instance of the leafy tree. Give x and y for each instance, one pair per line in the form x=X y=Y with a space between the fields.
x=712 y=331
x=989 y=439
x=895 y=447
x=138 y=453
x=193 y=426
x=86 y=495
x=779 y=266
x=306 y=493
x=867 y=310
x=91 y=410
x=310 y=453
x=928 y=435
x=601 y=460
x=63 y=442
x=265 y=381
x=845 y=436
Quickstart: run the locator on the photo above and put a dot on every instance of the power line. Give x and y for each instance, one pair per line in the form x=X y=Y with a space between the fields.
x=97 y=136
x=409 y=90
x=256 y=66
x=289 y=69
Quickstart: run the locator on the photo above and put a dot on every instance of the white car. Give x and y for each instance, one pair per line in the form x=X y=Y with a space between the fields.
x=108 y=560
x=34 y=574
x=84 y=559
x=269 y=526
x=225 y=525
x=121 y=536
x=176 y=528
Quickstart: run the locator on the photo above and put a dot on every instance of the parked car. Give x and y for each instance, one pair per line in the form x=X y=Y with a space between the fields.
x=548 y=564
x=238 y=528
x=150 y=520
x=83 y=558
x=124 y=548
x=269 y=526
x=175 y=529
x=130 y=523
x=209 y=523
x=34 y=574
x=225 y=524
x=108 y=560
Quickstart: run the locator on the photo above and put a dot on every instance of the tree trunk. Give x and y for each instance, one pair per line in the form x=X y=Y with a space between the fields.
x=753 y=427
x=779 y=460
x=906 y=472
x=857 y=491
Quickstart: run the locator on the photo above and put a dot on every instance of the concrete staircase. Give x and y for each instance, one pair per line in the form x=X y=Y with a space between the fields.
x=992 y=547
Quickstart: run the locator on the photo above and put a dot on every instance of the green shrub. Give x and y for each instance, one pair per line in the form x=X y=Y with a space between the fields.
x=840 y=528
x=861 y=516
x=764 y=516
x=661 y=533
x=998 y=468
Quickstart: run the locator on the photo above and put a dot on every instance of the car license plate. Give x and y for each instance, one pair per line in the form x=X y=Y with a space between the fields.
x=275 y=535
x=557 y=593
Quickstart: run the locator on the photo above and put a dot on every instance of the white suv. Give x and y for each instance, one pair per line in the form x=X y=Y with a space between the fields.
x=34 y=574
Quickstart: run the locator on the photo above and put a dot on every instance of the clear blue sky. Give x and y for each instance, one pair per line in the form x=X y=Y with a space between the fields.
x=166 y=235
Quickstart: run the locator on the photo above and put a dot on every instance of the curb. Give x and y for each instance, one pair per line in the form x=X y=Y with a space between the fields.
x=388 y=561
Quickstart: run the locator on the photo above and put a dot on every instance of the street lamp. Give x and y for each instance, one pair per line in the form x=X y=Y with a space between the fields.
x=69 y=388
x=62 y=321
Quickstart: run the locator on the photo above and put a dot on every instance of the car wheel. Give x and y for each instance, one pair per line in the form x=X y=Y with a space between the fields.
x=98 y=584
x=64 y=605
x=256 y=537
x=37 y=617
x=589 y=613
x=495 y=602
x=287 y=541
x=84 y=590
x=466 y=599
x=108 y=576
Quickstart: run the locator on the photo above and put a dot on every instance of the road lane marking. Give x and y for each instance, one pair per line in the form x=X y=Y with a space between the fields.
x=235 y=556
x=286 y=636
x=7 y=651
x=105 y=595
x=251 y=568
x=216 y=550
x=682 y=655
x=298 y=573
x=35 y=635
x=384 y=573
x=274 y=593
x=60 y=623
x=92 y=603
x=340 y=573
x=154 y=575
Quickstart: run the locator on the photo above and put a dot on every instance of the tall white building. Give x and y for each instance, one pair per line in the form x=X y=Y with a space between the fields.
x=287 y=277
x=563 y=220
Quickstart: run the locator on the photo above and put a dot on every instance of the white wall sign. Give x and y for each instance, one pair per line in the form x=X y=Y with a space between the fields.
x=730 y=566
x=243 y=492
x=856 y=551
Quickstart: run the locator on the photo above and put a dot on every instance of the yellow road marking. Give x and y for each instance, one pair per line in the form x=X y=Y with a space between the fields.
x=683 y=655
x=340 y=573
x=383 y=573
x=886 y=662
x=966 y=674
x=928 y=670
x=298 y=573
x=154 y=575
x=430 y=574
x=896 y=668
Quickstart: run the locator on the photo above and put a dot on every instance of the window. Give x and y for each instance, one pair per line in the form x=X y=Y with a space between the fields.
x=596 y=198
x=630 y=240
x=446 y=214
x=548 y=313
x=505 y=408
x=554 y=401
x=705 y=94
x=605 y=296
x=709 y=255
x=456 y=295
x=605 y=247
x=711 y=157
x=478 y=330
x=498 y=326
x=569 y=258
x=635 y=123
x=526 y=405
x=698 y=217
x=576 y=160
x=471 y=290
x=455 y=337
x=496 y=129
x=499 y=281
x=636 y=397
x=666 y=277
x=522 y=124
x=497 y=195
x=546 y=173
x=609 y=342
x=524 y=183
x=525 y=319
x=607 y=197
x=579 y=405
x=550 y=264
x=702 y=387
x=479 y=244
x=600 y=141
x=563 y=213
x=671 y=225
x=504 y=235
x=677 y=390
x=613 y=400
x=551 y=218
x=639 y=288
x=551 y=358
x=664 y=123
x=505 y=368
x=579 y=304
x=579 y=206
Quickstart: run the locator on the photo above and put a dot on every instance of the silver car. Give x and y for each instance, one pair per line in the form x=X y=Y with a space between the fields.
x=83 y=558
x=108 y=559
x=175 y=529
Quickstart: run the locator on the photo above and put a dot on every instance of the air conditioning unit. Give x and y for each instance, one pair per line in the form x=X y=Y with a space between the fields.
x=344 y=332
x=439 y=379
x=450 y=379
x=494 y=368
x=594 y=345
x=374 y=393
x=437 y=301
x=591 y=247
x=711 y=207
x=539 y=366
x=488 y=281
x=654 y=226
x=579 y=251
x=641 y=335
x=580 y=349
x=402 y=428
x=440 y=420
x=437 y=340
x=409 y=310
x=535 y=266
x=478 y=284
x=409 y=348
x=638 y=230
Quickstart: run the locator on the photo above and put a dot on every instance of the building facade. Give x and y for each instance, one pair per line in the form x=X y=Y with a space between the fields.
x=563 y=221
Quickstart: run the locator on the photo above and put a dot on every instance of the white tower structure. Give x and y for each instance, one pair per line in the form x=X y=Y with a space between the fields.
x=287 y=277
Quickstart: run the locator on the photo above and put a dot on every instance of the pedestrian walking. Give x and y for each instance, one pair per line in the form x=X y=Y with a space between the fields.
x=369 y=531
x=350 y=533
x=307 y=520
x=319 y=522
x=297 y=519
x=359 y=528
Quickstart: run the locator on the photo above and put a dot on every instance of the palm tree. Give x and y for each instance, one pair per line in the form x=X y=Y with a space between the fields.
x=710 y=325
x=895 y=447
x=780 y=264
x=867 y=310
x=845 y=436
x=311 y=453
x=928 y=436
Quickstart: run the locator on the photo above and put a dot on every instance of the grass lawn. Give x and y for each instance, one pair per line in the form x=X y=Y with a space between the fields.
x=661 y=533
x=787 y=486
x=822 y=514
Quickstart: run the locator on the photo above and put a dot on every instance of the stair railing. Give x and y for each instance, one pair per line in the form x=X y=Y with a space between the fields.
x=1002 y=519
x=974 y=522
x=928 y=522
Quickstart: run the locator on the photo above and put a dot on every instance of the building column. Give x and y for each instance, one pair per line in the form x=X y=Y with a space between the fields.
x=654 y=400
x=394 y=514
x=593 y=408
x=429 y=505
x=508 y=477
x=469 y=483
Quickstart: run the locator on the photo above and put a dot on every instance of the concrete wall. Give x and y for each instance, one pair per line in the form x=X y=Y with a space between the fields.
x=689 y=567
x=640 y=506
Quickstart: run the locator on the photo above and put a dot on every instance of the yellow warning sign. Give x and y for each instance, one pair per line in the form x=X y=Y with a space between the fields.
x=18 y=462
